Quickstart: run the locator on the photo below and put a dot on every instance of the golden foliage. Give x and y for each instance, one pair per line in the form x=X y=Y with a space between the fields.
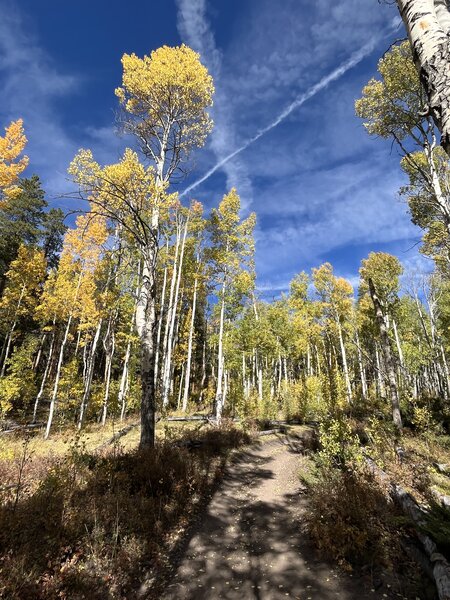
x=11 y=146
x=166 y=96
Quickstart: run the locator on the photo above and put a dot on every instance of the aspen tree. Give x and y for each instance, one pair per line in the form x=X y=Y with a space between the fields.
x=24 y=284
x=164 y=98
x=231 y=250
x=12 y=145
x=336 y=296
x=62 y=298
x=394 y=106
x=427 y=23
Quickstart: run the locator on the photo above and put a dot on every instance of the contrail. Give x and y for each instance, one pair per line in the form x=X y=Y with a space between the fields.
x=337 y=73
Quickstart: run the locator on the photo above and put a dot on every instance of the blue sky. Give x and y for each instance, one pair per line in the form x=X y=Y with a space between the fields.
x=322 y=189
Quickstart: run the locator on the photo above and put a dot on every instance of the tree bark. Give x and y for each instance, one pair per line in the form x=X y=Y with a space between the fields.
x=145 y=324
x=168 y=361
x=388 y=357
x=45 y=375
x=219 y=393
x=348 y=384
x=89 y=375
x=427 y=23
x=187 y=376
x=11 y=331
x=60 y=362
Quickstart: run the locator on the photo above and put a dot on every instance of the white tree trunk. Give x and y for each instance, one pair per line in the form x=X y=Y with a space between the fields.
x=173 y=314
x=427 y=23
x=348 y=384
x=187 y=376
x=160 y=322
x=110 y=348
x=219 y=394
x=388 y=358
x=45 y=375
x=11 y=331
x=362 y=372
x=89 y=374
x=60 y=362
x=399 y=346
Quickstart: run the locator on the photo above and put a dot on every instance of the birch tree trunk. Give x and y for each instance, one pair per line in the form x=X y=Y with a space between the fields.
x=399 y=347
x=57 y=377
x=109 y=346
x=362 y=372
x=388 y=358
x=45 y=375
x=169 y=313
x=121 y=398
x=145 y=324
x=160 y=322
x=37 y=360
x=427 y=23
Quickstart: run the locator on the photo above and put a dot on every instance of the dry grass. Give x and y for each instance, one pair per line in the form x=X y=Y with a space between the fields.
x=88 y=525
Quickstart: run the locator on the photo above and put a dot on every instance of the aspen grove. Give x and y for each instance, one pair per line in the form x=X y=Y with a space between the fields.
x=142 y=307
x=150 y=304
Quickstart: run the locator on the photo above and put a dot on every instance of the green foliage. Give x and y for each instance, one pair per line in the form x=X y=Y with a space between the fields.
x=393 y=104
x=340 y=447
x=18 y=388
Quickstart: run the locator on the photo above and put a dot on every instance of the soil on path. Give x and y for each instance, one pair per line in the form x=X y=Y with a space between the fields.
x=250 y=544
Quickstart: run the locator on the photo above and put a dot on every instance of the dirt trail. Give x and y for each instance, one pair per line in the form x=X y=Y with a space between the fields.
x=249 y=544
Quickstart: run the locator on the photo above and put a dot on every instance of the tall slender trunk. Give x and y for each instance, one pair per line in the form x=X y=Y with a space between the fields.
x=397 y=343
x=388 y=358
x=348 y=384
x=145 y=324
x=37 y=360
x=160 y=322
x=89 y=374
x=364 y=391
x=11 y=331
x=60 y=361
x=168 y=360
x=187 y=375
x=180 y=385
x=169 y=313
x=46 y=373
x=123 y=387
x=109 y=345
x=219 y=393
x=203 y=380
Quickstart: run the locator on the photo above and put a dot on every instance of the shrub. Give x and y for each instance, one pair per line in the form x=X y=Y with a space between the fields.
x=350 y=518
x=340 y=447
x=89 y=523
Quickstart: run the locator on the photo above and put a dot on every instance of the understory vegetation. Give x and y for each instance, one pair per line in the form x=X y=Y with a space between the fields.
x=89 y=524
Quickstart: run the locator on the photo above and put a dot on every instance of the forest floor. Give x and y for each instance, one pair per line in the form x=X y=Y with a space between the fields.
x=250 y=541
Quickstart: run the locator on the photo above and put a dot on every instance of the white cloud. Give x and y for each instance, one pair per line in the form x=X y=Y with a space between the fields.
x=195 y=30
x=32 y=87
x=318 y=214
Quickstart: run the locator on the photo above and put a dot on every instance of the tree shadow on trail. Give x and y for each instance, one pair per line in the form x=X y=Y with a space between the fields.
x=248 y=544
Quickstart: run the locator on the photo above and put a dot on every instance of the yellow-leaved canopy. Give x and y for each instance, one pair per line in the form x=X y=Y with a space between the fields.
x=394 y=104
x=11 y=146
x=165 y=97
